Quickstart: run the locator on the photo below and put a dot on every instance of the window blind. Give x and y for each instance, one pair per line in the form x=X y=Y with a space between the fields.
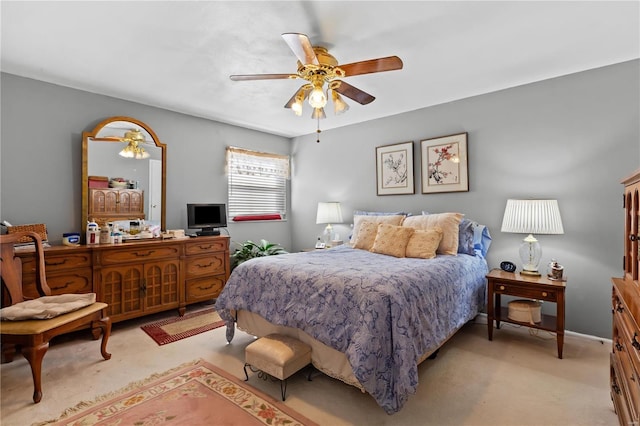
x=257 y=184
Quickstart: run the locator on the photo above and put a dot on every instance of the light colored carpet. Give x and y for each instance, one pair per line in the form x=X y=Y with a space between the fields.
x=516 y=379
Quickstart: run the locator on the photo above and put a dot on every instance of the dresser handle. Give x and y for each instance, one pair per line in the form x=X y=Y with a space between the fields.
x=56 y=263
x=619 y=308
x=205 y=288
x=635 y=342
x=618 y=346
x=206 y=247
x=632 y=237
x=501 y=287
x=544 y=294
x=144 y=254
x=615 y=388
x=204 y=266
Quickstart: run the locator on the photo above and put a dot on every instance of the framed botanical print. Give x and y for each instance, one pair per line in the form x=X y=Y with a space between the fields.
x=444 y=164
x=394 y=169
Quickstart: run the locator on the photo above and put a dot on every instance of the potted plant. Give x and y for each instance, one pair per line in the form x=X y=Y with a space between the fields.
x=249 y=250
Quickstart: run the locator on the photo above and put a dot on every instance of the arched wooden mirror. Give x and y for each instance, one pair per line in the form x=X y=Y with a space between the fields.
x=127 y=185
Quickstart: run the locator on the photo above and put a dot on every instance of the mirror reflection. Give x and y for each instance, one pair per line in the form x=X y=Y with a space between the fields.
x=123 y=173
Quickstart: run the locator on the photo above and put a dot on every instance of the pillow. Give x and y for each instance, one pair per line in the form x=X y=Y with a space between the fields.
x=481 y=239
x=366 y=235
x=424 y=243
x=395 y=219
x=466 y=237
x=366 y=213
x=392 y=240
x=448 y=222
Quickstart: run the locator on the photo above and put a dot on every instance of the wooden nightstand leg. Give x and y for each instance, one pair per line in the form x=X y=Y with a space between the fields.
x=490 y=311
x=497 y=309
x=560 y=322
x=560 y=338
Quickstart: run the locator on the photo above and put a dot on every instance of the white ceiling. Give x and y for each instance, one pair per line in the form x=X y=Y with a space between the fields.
x=178 y=55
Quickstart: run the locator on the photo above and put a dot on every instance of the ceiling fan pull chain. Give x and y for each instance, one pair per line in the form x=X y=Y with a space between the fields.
x=318 y=131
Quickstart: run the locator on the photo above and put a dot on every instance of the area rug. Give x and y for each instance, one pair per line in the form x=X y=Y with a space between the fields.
x=174 y=329
x=197 y=393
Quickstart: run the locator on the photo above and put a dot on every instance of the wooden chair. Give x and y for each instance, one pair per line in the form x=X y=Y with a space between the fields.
x=32 y=336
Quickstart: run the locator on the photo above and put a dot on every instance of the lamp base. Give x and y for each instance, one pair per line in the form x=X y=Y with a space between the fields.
x=530 y=273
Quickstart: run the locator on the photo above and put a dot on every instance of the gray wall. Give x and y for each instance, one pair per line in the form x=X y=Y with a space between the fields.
x=571 y=138
x=41 y=152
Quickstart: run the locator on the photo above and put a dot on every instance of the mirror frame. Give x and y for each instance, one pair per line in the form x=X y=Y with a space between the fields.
x=86 y=136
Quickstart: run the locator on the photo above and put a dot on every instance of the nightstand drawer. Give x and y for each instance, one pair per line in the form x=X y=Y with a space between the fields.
x=548 y=295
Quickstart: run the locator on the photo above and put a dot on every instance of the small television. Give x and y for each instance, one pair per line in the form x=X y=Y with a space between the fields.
x=208 y=217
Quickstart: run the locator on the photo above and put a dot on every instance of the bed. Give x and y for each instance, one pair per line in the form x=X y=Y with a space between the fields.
x=370 y=318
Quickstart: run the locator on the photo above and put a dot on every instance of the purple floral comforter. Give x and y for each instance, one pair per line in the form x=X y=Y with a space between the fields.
x=383 y=312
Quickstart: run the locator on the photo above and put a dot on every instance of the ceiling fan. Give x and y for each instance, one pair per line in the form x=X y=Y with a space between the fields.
x=134 y=139
x=317 y=67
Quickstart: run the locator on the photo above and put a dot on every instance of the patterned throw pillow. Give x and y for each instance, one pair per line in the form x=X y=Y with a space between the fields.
x=395 y=219
x=448 y=222
x=366 y=235
x=424 y=243
x=392 y=240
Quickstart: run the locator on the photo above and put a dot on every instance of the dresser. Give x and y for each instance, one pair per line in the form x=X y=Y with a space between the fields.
x=136 y=278
x=109 y=204
x=625 y=354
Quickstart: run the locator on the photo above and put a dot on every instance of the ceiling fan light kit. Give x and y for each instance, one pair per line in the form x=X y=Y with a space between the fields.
x=317 y=66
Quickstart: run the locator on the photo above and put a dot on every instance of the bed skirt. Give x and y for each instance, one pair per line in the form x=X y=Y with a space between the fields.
x=326 y=359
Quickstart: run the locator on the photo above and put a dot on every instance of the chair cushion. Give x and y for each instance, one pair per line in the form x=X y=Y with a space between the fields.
x=38 y=326
x=46 y=307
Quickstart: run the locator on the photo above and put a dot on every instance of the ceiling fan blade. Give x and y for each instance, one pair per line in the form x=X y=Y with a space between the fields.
x=301 y=47
x=389 y=63
x=245 y=77
x=109 y=139
x=351 y=92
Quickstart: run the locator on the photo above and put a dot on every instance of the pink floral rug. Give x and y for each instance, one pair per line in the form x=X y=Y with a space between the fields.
x=197 y=393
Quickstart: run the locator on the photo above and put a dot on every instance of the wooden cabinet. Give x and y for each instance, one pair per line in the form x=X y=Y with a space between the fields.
x=136 y=278
x=625 y=355
x=206 y=268
x=107 y=204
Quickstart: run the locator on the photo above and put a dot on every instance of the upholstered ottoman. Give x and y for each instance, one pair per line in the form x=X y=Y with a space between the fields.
x=279 y=356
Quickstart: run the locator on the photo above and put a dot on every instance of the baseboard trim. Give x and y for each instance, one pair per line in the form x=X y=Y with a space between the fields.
x=481 y=318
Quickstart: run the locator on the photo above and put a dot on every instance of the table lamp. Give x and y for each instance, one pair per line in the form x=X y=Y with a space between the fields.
x=532 y=217
x=329 y=212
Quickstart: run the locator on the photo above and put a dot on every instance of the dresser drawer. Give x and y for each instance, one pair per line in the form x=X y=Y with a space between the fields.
x=627 y=333
x=205 y=265
x=619 y=395
x=203 y=247
x=76 y=281
x=206 y=288
x=57 y=262
x=138 y=254
x=501 y=287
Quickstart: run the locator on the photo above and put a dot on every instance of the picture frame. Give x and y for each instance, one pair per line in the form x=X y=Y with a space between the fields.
x=394 y=169
x=444 y=164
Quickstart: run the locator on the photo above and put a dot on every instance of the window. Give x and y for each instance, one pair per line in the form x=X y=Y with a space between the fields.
x=257 y=185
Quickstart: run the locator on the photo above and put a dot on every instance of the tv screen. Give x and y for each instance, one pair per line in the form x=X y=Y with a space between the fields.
x=207 y=217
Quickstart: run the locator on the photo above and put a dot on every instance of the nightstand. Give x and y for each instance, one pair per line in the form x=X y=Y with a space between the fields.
x=530 y=287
